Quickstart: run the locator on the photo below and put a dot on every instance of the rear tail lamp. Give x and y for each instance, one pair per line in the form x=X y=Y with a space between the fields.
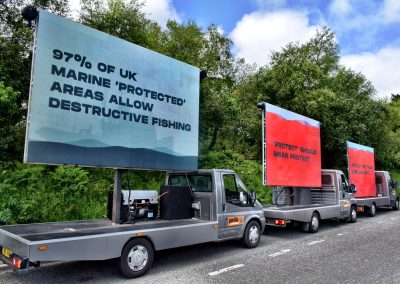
x=279 y=222
x=17 y=262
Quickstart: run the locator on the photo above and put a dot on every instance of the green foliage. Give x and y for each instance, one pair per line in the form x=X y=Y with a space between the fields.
x=123 y=19
x=11 y=130
x=249 y=171
x=36 y=193
x=16 y=41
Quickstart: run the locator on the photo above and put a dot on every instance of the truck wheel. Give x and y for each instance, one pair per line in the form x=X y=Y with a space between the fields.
x=252 y=235
x=353 y=215
x=313 y=226
x=136 y=258
x=396 y=205
x=372 y=210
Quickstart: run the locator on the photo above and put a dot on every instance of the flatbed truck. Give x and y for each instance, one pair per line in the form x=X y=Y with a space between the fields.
x=308 y=206
x=386 y=195
x=222 y=209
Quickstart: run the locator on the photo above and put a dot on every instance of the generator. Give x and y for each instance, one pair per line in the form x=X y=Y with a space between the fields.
x=135 y=205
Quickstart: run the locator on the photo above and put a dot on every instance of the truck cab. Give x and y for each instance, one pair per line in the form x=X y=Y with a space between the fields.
x=221 y=195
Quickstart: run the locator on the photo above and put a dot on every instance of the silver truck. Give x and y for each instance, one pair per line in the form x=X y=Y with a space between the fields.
x=386 y=195
x=308 y=206
x=221 y=208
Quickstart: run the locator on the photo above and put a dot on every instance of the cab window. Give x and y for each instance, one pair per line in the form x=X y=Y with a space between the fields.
x=345 y=185
x=198 y=183
x=235 y=193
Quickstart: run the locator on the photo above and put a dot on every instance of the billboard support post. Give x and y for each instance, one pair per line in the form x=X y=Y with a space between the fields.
x=116 y=209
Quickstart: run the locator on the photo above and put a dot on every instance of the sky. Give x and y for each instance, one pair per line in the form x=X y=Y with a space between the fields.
x=368 y=31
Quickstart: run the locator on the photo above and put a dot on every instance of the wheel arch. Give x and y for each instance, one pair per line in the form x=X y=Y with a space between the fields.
x=148 y=238
x=318 y=214
x=250 y=219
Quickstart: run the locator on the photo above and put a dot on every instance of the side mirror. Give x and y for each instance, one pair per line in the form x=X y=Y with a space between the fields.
x=243 y=198
x=253 y=197
x=353 y=188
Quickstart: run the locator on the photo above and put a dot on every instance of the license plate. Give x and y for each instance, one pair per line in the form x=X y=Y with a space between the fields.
x=6 y=252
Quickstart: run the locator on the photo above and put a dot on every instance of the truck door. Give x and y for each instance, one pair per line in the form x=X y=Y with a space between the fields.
x=236 y=203
x=344 y=195
x=391 y=188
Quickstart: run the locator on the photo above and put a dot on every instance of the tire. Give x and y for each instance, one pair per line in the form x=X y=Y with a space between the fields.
x=305 y=227
x=352 y=215
x=372 y=210
x=396 y=204
x=313 y=225
x=252 y=235
x=136 y=258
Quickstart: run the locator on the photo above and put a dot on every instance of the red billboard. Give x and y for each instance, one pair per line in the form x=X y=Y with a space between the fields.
x=292 y=148
x=361 y=163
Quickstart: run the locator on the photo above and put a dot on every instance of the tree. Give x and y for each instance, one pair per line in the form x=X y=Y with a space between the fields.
x=16 y=41
x=308 y=79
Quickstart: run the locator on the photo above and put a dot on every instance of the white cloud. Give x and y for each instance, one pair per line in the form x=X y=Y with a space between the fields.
x=381 y=68
x=340 y=7
x=161 y=11
x=75 y=7
x=259 y=33
x=391 y=11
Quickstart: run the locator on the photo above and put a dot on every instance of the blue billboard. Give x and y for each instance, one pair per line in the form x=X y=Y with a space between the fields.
x=97 y=100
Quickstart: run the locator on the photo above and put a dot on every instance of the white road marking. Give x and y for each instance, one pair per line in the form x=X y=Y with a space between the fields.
x=280 y=253
x=315 y=242
x=393 y=218
x=362 y=228
x=340 y=234
x=380 y=222
x=223 y=270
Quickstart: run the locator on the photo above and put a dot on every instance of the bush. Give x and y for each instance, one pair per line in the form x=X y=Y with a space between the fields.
x=33 y=194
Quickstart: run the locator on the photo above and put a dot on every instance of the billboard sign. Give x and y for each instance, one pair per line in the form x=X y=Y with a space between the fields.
x=292 y=148
x=361 y=166
x=97 y=100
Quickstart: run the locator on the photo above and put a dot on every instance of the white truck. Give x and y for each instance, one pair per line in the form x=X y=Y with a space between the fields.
x=308 y=206
x=386 y=195
x=195 y=207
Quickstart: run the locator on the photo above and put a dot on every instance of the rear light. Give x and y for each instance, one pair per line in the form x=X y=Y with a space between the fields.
x=17 y=262
x=360 y=209
x=279 y=222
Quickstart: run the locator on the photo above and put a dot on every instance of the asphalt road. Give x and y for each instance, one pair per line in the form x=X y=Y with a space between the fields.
x=364 y=252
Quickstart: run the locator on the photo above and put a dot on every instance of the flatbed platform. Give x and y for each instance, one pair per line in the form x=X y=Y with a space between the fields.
x=301 y=213
x=60 y=230
x=379 y=201
x=293 y=207
x=100 y=239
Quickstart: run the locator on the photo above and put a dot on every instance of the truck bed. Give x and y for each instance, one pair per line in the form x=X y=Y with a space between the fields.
x=301 y=213
x=380 y=201
x=100 y=239
x=60 y=230
x=292 y=207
